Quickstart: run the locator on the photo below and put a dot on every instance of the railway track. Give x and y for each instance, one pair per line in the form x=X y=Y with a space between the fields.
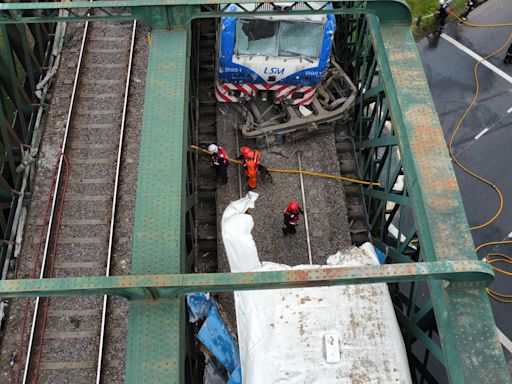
x=207 y=133
x=66 y=339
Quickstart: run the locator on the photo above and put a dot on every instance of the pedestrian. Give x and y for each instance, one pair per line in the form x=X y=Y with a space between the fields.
x=252 y=164
x=291 y=218
x=470 y=5
x=508 y=56
x=220 y=162
x=442 y=14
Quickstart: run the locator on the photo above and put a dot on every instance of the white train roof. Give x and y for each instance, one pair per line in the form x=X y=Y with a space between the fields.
x=283 y=5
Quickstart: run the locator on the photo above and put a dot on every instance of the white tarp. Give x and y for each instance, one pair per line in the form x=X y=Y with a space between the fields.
x=344 y=334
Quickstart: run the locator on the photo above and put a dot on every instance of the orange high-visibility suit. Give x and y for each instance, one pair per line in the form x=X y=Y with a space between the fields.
x=251 y=170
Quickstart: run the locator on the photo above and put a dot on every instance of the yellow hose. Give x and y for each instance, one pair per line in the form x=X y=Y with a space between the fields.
x=500 y=258
x=310 y=173
x=480 y=25
x=504 y=298
x=456 y=129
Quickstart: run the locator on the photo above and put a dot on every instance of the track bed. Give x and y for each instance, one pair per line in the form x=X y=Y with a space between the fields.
x=325 y=199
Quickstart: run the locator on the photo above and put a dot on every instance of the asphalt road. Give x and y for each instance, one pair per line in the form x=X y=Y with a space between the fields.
x=449 y=72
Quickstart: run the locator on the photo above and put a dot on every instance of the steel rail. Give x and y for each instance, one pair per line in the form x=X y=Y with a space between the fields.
x=237 y=140
x=54 y=199
x=114 y=203
x=304 y=205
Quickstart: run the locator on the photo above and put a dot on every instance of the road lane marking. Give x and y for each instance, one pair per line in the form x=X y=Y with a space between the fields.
x=482 y=132
x=477 y=57
x=504 y=340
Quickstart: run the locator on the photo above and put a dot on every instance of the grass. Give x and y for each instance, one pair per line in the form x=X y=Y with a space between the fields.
x=425 y=9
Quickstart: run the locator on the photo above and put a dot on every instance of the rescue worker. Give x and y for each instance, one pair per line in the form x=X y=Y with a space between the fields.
x=291 y=218
x=508 y=56
x=220 y=162
x=470 y=5
x=252 y=164
x=251 y=170
x=442 y=14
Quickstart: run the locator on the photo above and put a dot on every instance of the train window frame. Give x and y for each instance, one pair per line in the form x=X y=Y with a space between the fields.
x=277 y=37
x=303 y=22
x=239 y=29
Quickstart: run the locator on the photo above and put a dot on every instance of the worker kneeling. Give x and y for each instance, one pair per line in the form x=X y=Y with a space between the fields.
x=252 y=165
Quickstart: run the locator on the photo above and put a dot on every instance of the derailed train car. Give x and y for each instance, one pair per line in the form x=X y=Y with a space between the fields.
x=281 y=69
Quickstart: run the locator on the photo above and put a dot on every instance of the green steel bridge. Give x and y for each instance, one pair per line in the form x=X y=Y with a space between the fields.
x=454 y=325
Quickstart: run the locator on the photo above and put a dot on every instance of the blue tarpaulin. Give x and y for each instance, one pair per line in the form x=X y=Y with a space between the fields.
x=380 y=255
x=214 y=334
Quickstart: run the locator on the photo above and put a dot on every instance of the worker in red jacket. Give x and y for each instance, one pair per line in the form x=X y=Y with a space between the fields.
x=252 y=164
x=220 y=162
x=291 y=218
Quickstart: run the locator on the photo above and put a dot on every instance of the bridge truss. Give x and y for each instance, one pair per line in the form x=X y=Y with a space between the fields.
x=422 y=227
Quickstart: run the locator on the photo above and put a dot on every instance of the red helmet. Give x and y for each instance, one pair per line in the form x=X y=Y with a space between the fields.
x=293 y=206
x=247 y=152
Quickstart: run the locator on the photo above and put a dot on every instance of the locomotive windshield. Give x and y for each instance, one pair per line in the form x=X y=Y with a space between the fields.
x=278 y=38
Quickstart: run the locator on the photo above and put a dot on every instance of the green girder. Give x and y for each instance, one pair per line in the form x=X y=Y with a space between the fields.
x=144 y=287
x=171 y=13
x=156 y=344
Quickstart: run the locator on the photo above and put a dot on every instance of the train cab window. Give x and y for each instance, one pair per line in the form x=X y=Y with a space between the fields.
x=300 y=39
x=278 y=38
x=257 y=37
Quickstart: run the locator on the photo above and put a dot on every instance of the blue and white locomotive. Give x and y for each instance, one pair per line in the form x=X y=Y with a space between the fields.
x=280 y=57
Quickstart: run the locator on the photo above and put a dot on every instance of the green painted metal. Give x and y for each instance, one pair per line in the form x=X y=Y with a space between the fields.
x=24 y=59
x=163 y=13
x=380 y=54
x=156 y=329
x=462 y=310
x=144 y=287
x=419 y=334
x=388 y=196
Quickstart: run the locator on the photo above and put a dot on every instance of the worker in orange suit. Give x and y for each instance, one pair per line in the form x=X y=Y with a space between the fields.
x=252 y=164
x=251 y=170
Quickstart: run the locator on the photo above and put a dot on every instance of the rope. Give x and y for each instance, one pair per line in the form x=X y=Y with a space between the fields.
x=297 y=171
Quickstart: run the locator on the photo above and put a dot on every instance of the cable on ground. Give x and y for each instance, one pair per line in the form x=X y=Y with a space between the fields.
x=490 y=257
x=479 y=25
x=310 y=173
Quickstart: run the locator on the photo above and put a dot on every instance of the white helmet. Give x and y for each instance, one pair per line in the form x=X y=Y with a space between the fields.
x=213 y=148
x=441 y=2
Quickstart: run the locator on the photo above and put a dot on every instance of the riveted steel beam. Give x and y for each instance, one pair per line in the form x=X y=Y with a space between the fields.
x=169 y=286
x=167 y=13
x=462 y=310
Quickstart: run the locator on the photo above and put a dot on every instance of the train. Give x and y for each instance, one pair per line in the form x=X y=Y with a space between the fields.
x=283 y=58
